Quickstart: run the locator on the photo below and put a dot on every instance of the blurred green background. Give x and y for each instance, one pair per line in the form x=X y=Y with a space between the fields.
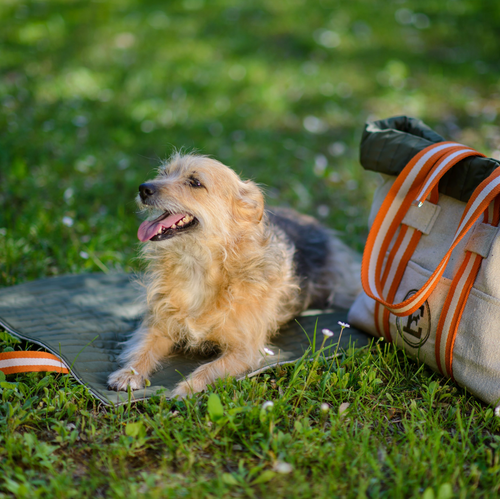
x=94 y=94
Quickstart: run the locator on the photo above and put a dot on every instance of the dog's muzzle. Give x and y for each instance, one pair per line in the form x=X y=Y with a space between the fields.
x=166 y=225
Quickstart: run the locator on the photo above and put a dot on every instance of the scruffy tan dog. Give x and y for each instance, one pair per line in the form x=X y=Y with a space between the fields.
x=224 y=272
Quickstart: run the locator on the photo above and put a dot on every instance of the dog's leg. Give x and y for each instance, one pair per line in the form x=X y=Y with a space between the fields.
x=143 y=352
x=230 y=363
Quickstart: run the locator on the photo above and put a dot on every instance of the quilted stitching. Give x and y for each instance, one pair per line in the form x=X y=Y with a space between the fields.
x=83 y=319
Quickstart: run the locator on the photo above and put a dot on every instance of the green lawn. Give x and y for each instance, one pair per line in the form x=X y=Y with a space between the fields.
x=94 y=94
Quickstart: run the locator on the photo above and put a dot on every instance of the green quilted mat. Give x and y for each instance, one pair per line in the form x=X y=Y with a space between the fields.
x=83 y=319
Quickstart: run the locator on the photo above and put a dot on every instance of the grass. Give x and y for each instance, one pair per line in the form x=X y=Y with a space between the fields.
x=94 y=94
x=369 y=424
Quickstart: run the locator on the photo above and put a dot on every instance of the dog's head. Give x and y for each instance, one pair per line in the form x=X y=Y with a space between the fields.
x=195 y=193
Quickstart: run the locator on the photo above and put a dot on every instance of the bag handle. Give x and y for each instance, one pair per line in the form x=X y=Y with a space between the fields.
x=418 y=177
x=409 y=237
x=439 y=169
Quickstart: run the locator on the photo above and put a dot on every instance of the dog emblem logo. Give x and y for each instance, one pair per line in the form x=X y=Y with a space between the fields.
x=415 y=328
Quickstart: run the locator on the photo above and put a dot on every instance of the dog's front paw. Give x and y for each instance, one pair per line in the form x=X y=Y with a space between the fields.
x=124 y=378
x=182 y=390
x=189 y=387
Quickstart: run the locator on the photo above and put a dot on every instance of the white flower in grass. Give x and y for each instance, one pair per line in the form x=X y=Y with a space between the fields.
x=327 y=332
x=324 y=407
x=267 y=405
x=343 y=324
x=283 y=468
x=268 y=351
x=68 y=221
x=497 y=411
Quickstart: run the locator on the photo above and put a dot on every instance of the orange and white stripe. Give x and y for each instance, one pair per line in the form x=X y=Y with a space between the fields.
x=395 y=266
x=416 y=182
x=452 y=310
x=457 y=298
x=397 y=261
x=441 y=167
x=396 y=204
x=478 y=203
x=22 y=362
x=392 y=212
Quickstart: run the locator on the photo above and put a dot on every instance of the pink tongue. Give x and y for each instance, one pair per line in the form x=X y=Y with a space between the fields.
x=149 y=229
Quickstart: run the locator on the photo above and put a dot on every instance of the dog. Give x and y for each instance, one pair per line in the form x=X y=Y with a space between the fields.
x=224 y=272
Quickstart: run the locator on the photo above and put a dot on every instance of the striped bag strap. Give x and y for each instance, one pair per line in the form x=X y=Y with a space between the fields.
x=460 y=288
x=409 y=237
x=418 y=178
x=23 y=362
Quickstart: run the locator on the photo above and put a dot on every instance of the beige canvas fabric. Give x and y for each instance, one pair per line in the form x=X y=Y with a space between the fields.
x=476 y=353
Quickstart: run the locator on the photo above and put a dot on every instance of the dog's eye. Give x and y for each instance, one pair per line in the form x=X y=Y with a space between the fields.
x=194 y=182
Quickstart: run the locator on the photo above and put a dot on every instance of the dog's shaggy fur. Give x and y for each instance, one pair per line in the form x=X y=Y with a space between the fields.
x=223 y=271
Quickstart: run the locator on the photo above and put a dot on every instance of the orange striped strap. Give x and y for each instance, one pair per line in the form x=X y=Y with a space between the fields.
x=23 y=362
x=395 y=267
x=397 y=261
x=457 y=298
x=440 y=168
x=400 y=197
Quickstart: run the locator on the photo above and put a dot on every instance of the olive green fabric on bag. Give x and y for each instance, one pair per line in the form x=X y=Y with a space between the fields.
x=387 y=146
x=83 y=319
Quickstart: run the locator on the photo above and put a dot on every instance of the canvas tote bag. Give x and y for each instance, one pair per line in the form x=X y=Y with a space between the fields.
x=431 y=270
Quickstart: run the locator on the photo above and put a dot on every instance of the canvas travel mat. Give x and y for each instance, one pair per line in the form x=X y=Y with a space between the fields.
x=82 y=319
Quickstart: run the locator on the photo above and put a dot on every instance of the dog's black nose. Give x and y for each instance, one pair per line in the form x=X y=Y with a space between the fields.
x=146 y=191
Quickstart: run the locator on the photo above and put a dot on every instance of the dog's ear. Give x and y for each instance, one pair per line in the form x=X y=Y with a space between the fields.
x=249 y=204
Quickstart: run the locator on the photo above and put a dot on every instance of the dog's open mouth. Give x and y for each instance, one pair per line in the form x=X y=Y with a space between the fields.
x=165 y=226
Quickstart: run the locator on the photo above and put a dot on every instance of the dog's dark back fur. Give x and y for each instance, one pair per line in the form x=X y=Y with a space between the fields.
x=312 y=244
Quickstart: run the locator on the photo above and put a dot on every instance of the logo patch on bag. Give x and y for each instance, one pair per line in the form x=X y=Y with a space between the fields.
x=415 y=329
